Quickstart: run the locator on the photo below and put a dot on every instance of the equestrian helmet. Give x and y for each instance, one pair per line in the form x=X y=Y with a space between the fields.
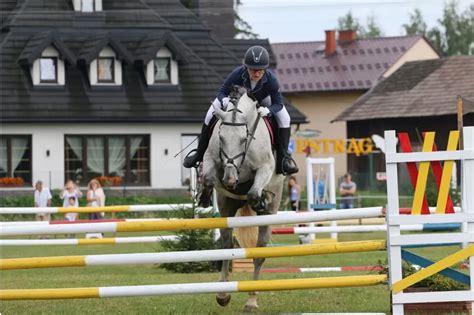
x=257 y=58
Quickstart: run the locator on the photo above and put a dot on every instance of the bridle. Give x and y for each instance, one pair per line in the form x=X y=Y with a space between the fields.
x=248 y=140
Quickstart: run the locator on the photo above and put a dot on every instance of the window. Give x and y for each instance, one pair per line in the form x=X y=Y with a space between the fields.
x=162 y=70
x=15 y=159
x=87 y=5
x=105 y=70
x=49 y=70
x=90 y=156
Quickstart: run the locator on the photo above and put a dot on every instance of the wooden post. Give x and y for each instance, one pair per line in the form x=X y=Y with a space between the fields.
x=460 y=121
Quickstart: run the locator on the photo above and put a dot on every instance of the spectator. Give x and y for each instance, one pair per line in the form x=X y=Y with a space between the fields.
x=347 y=189
x=42 y=200
x=294 y=193
x=70 y=190
x=95 y=198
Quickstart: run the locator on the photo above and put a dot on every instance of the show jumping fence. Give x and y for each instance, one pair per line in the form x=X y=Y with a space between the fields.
x=444 y=214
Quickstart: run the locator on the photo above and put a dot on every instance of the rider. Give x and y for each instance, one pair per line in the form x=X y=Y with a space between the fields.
x=255 y=76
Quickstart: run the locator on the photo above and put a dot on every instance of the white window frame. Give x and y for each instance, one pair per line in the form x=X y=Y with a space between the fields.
x=78 y=7
x=106 y=52
x=150 y=68
x=60 y=70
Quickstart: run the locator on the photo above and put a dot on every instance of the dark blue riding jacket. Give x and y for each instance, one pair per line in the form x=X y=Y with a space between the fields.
x=267 y=86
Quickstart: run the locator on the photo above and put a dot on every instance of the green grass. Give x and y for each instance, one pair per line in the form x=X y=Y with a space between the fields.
x=363 y=299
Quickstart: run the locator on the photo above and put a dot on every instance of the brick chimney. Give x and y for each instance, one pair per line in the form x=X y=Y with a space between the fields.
x=347 y=36
x=330 y=43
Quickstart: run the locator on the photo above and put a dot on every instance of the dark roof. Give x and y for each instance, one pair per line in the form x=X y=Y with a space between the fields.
x=41 y=41
x=133 y=29
x=239 y=47
x=94 y=43
x=418 y=89
x=178 y=16
x=303 y=66
x=153 y=42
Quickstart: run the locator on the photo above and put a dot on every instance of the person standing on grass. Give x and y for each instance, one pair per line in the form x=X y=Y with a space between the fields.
x=70 y=190
x=95 y=198
x=42 y=200
x=347 y=189
x=294 y=193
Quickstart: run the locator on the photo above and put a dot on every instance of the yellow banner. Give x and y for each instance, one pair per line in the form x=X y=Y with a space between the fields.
x=355 y=146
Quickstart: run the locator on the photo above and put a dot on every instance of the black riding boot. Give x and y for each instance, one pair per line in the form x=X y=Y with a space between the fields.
x=285 y=164
x=193 y=159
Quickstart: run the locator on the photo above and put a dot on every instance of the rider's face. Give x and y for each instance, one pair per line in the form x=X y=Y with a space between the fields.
x=255 y=75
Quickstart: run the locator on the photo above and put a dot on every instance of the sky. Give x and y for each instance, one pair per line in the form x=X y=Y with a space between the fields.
x=306 y=20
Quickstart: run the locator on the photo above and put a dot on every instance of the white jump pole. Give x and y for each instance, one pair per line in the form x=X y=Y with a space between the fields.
x=132 y=208
x=189 y=224
x=93 y=241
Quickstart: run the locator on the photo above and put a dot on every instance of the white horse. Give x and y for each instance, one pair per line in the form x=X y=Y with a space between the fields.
x=239 y=163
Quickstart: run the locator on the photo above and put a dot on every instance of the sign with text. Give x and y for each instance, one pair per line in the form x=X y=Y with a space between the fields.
x=355 y=146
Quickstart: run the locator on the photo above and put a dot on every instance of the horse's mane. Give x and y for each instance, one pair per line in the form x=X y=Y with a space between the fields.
x=235 y=94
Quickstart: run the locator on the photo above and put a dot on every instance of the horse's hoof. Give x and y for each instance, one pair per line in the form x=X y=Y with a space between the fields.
x=250 y=308
x=223 y=300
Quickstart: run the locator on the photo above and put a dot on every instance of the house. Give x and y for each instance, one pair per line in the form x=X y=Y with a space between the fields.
x=323 y=78
x=420 y=96
x=109 y=89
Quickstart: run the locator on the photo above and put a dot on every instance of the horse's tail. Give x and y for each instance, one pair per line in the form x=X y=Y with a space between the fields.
x=246 y=236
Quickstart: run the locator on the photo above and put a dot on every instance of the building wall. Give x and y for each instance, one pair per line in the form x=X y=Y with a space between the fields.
x=165 y=170
x=420 y=51
x=320 y=109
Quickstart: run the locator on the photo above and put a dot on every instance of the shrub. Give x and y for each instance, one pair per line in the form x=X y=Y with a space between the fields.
x=191 y=240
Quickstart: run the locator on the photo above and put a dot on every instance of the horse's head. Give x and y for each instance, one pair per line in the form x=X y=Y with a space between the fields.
x=234 y=135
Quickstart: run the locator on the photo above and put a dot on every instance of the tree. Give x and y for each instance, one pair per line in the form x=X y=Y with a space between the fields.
x=243 y=29
x=417 y=25
x=348 y=22
x=455 y=33
x=373 y=30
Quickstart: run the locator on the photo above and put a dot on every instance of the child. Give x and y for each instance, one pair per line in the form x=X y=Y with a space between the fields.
x=70 y=190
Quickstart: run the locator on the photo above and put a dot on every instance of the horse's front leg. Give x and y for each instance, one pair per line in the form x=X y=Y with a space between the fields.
x=254 y=195
x=264 y=233
x=208 y=182
x=226 y=237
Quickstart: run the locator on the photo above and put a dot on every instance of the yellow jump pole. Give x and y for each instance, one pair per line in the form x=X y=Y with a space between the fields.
x=191 y=256
x=192 y=288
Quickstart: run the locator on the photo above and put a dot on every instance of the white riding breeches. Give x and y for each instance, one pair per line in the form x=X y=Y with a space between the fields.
x=282 y=117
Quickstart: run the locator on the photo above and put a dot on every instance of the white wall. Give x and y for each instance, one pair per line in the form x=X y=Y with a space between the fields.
x=165 y=169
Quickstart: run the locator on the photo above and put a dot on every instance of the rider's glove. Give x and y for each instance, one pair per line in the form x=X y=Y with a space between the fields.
x=263 y=111
x=225 y=102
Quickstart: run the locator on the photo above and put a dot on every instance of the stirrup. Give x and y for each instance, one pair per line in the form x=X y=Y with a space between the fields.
x=290 y=161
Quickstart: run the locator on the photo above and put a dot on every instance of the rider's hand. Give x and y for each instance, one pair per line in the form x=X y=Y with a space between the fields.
x=225 y=102
x=263 y=111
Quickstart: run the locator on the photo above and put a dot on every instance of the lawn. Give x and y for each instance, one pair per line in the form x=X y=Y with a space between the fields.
x=363 y=299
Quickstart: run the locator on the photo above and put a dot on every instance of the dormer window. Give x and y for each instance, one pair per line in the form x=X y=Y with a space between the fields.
x=87 y=6
x=48 y=69
x=163 y=69
x=106 y=69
